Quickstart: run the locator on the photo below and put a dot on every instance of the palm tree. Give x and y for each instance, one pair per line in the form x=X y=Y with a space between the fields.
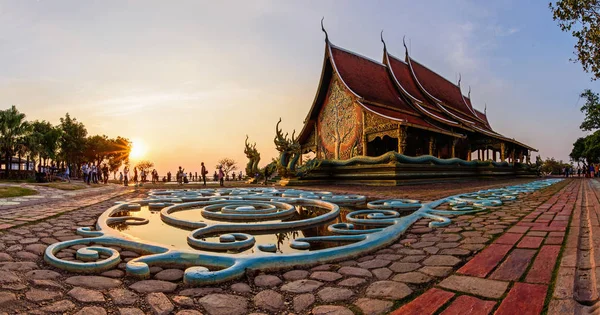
x=13 y=128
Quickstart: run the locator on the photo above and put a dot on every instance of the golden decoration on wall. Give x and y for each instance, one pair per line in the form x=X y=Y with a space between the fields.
x=339 y=123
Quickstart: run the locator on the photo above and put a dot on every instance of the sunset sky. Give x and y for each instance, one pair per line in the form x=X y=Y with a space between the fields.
x=189 y=79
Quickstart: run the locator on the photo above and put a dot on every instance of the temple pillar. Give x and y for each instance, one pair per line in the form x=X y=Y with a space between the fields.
x=469 y=153
x=520 y=156
x=364 y=134
x=431 y=145
x=453 y=148
x=502 y=152
x=512 y=155
x=528 y=157
x=317 y=142
x=402 y=137
x=486 y=154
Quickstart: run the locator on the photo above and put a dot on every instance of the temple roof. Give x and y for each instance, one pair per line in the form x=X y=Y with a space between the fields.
x=404 y=91
x=367 y=79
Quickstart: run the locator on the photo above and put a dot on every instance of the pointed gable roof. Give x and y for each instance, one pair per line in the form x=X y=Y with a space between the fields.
x=368 y=79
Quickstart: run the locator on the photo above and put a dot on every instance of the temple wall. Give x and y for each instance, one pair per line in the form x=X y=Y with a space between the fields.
x=339 y=126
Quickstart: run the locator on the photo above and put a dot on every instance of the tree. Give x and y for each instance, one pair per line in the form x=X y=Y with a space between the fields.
x=97 y=149
x=591 y=110
x=592 y=148
x=13 y=130
x=144 y=165
x=554 y=166
x=46 y=138
x=578 y=152
x=119 y=153
x=228 y=165
x=582 y=19
x=73 y=139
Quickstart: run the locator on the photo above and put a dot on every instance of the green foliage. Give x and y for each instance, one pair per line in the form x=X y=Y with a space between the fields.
x=591 y=110
x=13 y=133
x=586 y=150
x=11 y=191
x=578 y=152
x=582 y=19
x=592 y=148
x=554 y=166
x=44 y=140
x=66 y=142
x=73 y=140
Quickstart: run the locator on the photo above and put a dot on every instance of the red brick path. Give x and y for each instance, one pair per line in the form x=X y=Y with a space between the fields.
x=513 y=274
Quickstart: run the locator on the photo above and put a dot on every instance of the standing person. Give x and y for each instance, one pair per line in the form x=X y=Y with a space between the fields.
x=120 y=177
x=126 y=176
x=94 y=174
x=215 y=176
x=135 y=176
x=89 y=174
x=203 y=172
x=233 y=176
x=105 y=173
x=68 y=173
x=83 y=171
x=221 y=176
x=168 y=176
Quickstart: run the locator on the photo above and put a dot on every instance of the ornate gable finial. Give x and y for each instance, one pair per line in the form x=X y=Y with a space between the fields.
x=323 y=29
x=459 y=78
x=469 y=94
x=404 y=43
x=485 y=109
x=381 y=35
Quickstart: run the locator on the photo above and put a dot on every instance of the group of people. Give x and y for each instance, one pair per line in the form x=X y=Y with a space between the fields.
x=143 y=176
x=590 y=171
x=93 y=173
x=47 y=173
x=226 y=176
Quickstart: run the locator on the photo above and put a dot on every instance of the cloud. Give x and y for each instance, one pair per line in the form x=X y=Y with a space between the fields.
x=501 y=31
x=139 y=101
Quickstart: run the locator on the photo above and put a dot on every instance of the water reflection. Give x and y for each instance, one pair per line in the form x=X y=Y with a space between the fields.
x=159 y=232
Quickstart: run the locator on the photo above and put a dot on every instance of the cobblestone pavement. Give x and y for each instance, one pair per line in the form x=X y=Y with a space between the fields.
x=501 y=260
x=49 y=202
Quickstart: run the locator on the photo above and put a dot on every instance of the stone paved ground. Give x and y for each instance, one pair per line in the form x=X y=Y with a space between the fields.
x=501 y=260
x=49 y=202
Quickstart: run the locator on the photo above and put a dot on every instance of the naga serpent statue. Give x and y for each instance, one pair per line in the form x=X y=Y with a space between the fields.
x=253 y=157
x=290 y=152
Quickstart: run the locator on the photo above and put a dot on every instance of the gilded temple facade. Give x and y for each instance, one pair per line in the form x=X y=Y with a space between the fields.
x=367 y=108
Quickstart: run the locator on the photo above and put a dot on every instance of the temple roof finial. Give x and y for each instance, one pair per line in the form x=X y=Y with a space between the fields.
x=485 y=109
x=459 y=78
x=404 y=43
x=381 y=35
x=323 y=29
x=469 y=94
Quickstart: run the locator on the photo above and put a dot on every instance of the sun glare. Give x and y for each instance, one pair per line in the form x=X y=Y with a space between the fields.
x=138 y=149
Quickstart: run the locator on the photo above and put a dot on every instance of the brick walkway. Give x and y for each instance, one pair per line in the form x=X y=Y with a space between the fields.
x=514 y=273
x=501 y=260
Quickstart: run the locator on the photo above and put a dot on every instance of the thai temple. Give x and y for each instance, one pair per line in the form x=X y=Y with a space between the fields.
x=364 y=107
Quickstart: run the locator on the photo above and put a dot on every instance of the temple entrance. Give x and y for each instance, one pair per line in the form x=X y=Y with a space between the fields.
x=383 y=145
